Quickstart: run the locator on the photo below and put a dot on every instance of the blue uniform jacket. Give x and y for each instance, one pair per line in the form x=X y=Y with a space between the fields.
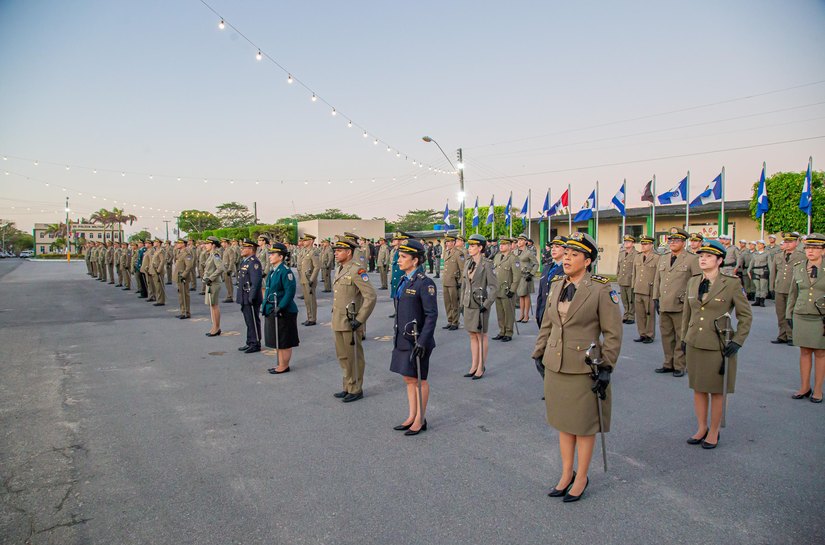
x=417 y=301
x=280 y=286
x=544 y=289
x=139 y=261
x=250 y=276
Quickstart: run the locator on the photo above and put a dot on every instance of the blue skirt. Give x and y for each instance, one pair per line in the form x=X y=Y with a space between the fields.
x=404 y=364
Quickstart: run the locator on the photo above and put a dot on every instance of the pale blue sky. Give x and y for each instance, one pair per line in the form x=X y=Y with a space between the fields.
x=155 y=87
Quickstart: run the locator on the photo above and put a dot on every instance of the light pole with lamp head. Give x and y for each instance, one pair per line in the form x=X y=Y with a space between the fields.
x=460 y=169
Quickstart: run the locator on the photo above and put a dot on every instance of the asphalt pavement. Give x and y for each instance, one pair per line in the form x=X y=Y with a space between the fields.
x=123 y=425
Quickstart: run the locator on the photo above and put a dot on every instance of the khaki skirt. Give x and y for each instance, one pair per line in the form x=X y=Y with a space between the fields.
x=526 y=287
x=471 y=316
x=703 y=370
x=808 y=331
x=212 y=292
x=571 y=404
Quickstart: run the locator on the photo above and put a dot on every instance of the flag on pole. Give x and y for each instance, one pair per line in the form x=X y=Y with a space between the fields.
x=589 y=206
x=491 y=214
x=806 y=200
x=545 y=208
x=618 y=200
x=563 y=202
x=524 y=208
x=712 y=193
x=647 y=194
x=507 y=210
x=762 y=204
x=475 y=214
x=447 y=215
x=676 y=195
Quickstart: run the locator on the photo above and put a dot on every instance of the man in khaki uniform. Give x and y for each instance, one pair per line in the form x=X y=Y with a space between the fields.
x=733 y=259
x=360 y=255
x=747 y=256
x=184 y=263
x=169 y=253
x=146 y=271
x=438 y=252
x=507 y=268
x=383 y=262
x=228 y=261
x=125 y=260
x=310 y=267
x=351 y=292
x=624 y=277
x=669 y=288
x=644 y=275
x=327 y=263
x=193 y=275
x=157 y=268
x=758 y=273
x=110 y=261
x=453 y=268
x=100 y=254
x=782 y=274
x=116 y=264
x=203 y=257
x=695 y=242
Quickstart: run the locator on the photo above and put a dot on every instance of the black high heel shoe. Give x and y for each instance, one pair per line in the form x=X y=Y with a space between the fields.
x=803 y=396
x=692 y=441
x=403 y=427
x=470 y=374
x=419 y=430
x=571 y=498
x=708 y=446
x=556 y=493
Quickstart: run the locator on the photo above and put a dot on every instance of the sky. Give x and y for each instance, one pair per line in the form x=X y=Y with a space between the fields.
x=132 y=96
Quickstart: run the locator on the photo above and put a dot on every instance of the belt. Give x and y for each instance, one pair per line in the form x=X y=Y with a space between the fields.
x=761 y=267
x=729 y=264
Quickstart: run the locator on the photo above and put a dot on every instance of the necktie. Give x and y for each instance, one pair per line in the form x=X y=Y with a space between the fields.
x=787 y=257
x=814 y=272
x=568 y=293
x=704 y=285
x=672 y=259
x=472 y=266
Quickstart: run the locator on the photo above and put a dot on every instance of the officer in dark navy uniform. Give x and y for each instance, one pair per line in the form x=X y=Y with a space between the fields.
x=249 y=295
x=553 y=269
x=415 y=319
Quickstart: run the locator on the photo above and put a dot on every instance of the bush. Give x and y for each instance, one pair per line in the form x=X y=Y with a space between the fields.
x=78 y=257
x=279 y=231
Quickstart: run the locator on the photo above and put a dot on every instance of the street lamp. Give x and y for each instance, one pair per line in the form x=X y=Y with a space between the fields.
x=460 y=170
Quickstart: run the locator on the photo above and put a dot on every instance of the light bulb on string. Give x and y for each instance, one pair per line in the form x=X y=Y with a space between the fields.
x=259 y=56
x=123 y=174
x=349 y=124
x=375 y=142
x=289 y=78
x=398 y=154
x=221 y=25
x=388 y=149
x=94 y=171
x=314 y=98
x=334 y=113
x=35 y=163
x=67 y=167
x=365 y=134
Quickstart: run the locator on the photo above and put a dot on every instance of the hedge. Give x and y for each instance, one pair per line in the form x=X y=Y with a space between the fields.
x=278 y=231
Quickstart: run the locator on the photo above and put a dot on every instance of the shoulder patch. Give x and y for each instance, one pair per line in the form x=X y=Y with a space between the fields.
x=599 y=279
x=431 y=289
x=365 y=277
x=257 y=266
x=614 y=297
x=289 y=275
x=361 y=271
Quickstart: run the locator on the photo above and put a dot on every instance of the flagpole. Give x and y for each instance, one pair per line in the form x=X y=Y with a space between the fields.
x=493 y=230
x=723 y=229
x=549 y=217
x=811 y=169
x=624 y=214
x=762 y=226
x=510 y=211
x=529 y=213
x=569 y=208
x=595 y=265
x=687 y=203
x=653 y=218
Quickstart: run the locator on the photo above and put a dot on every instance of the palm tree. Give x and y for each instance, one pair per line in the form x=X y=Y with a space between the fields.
x=56 y=230
x=103 y=217
x=119 y=217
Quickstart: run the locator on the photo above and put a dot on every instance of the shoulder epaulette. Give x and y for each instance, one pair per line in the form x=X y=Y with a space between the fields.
x=421 y=276
x=599 y=279
x=558 y=277
x=729 y=275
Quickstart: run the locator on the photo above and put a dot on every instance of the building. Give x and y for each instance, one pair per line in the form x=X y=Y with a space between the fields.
x=321 y=229
x=91 y=232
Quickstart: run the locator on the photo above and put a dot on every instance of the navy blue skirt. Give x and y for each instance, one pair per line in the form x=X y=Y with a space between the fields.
x=403 y=364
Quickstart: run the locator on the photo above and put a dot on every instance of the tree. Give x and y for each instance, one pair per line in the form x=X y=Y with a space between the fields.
x=140 y=235
x=389 y=226
x=21 y=241
x=58 y=245
x=56 y=230
x=196 y=221
x=485 y=229
x=419 y=220
x=103 y=217
x=119 y=217
x=784 y=189
x=328 y=214
x=234 y=214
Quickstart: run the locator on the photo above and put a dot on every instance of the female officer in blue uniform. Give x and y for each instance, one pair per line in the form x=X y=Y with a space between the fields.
x=280 y=310
x=417 y=311
x=250 y=275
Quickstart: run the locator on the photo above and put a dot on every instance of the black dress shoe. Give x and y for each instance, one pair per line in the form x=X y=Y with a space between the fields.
x=304 y=322
x=640 y=339
x=478 y=377
x=779 y=341
x=340 y=394
x=402 y=427
x=273 y=371
x=470 y=374
x=708 y=446
x=556 y=493
x=692 y=441
x=419 y=430
x=244 y=347
x=631 y=321
x=448 y=326
x=568 y=498
x=678 y=373
x=802 y=396
x=218 y=332
x=309 y=323
x=252 y=350
x=454 y=327
x=506 y=339
x=349 y=398
x=663 y=369
x=186 y=317
x=159 y=305
x=648 y=340
x=498 y=337
x=816 y=399
x=391 y=316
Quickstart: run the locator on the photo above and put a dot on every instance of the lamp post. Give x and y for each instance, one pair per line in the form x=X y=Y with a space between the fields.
x=460 y=169
x=68 y=241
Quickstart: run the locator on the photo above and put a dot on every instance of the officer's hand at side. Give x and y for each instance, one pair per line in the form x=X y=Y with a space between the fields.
x=354 y=324
x=418 y=351
x=684 y=347
x=280 y=313
x=656 y=305
x=731 y=349
x=790 y=322
x=482 y=310
x=539 y=366
x=207 y=281
x=602 y=380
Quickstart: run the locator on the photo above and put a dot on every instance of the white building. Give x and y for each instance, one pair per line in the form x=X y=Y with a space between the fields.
x=92 y=232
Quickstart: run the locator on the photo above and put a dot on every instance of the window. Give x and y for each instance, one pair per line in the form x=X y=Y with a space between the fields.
x=635 y=230
x=42 y=249
x=98 y=235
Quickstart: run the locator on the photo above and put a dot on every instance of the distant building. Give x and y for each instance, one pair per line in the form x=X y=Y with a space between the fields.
x=92 y=232
x=369 y=229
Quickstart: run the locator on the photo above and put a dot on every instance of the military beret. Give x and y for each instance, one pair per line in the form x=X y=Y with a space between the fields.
x=278 y=248
x=248 y=243
x=678 y=233
x=412 y=247
x=561 y=240
x=815 y=240
x=478 y=240
x=583 y=242
x=712 y=247
x=629 y=238
x=790 y=237
x=646 y=239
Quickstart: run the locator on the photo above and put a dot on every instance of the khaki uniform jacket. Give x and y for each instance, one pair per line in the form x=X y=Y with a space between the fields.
x=169 y=252
x=759 y=265
x=146 y=264
x=782 y=270
x=328 y=257
x=383 y=256
x=350 y=286
x=508 y=273
x=184 y=262
x=116 y=257
x=671 y=280
x=133 y=256
x=214 y=267
x=159 y=262
x=310 y=267
x=110 y=253
x=453 y=267
x=483 y=277
x=733 y=257
x=697 y=321
x=593 y=317
x=528 y=265
x=263 y=257
x=805 y=291
x=644 y=273
x=230 y=262
x=624 y=269
x=203 y=257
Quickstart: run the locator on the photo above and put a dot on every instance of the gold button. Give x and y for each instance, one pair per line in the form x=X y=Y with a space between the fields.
x=700 y=329
x=558 y=353
x=702 y=318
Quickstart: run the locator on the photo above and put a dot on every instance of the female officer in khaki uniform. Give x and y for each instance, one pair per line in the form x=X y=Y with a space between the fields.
x=479 y=286
x=581 y=309
x=806 y=305
x=212 y=276
x=529 y=266
x=710 y=296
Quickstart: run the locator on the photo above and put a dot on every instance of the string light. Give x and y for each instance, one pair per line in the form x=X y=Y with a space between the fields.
x=349 y=124
x=35 y=163
x=314 y=98
x=259 y=56
x=365 y=135
x=289 y=79
x=334 y=113
x=67 y=167
x=123 y=173
x=221 y=25
x=375 y=142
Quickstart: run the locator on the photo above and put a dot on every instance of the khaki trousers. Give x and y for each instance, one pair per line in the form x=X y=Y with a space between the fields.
x=326 y=277
x=645 y=314
x=382 y=273
x=352 y=370
x=227 y=280
x=127 y=279
x=183 y=296
x=785 y=332
x=451 y=304
x=160 y=290
x=506 y=316
x=310 y=300
x=670 y=326
x=627 y=303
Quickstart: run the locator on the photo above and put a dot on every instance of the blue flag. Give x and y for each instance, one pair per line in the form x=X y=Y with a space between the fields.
x=618 y=200
x=491 y=214
x=545 y=208
x=712 y=193
x=676 y=195
x=507 y=210
x=447 y=215
x=806 y=203
x=589 y=206
x=524 y=208
x=762 y=204
x=475 y=214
